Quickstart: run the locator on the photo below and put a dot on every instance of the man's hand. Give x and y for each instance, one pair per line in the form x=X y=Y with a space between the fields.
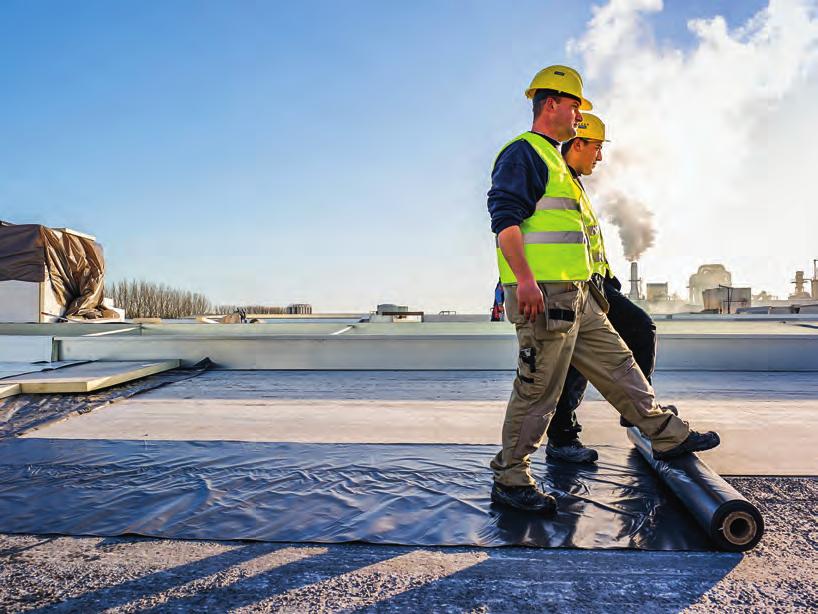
x=529 y=296
x=529 y=299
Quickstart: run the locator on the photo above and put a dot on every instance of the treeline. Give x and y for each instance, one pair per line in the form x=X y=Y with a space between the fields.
x=145 y=299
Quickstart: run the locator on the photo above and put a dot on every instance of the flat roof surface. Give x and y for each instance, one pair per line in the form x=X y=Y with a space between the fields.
x=768 y=421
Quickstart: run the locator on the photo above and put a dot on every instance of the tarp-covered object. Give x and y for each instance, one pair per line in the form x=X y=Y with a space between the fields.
x=74 y=266
x=22 y=253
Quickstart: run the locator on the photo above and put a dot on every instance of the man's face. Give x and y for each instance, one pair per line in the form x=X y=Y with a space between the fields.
x=566 y=118
x=584 y=155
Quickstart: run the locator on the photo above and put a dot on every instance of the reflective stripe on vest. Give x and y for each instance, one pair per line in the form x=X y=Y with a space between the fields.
x=555 y=240
x=550 y=203
x=551 y=237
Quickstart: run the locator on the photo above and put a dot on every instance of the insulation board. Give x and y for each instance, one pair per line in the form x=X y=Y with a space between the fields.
x=90 y=376
x=8 y=390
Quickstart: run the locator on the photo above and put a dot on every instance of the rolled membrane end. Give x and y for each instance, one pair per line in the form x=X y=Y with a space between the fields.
x=737 y=526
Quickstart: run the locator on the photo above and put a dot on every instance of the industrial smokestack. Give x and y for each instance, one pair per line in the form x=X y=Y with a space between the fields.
x=635 y=293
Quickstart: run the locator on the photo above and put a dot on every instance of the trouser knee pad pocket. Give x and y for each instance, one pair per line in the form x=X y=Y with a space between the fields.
x=633 y=383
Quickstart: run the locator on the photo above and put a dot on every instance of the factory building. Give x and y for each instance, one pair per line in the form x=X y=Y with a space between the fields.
x=726 y=299
x=800 y=282
x=657 y=292
x=708 y=276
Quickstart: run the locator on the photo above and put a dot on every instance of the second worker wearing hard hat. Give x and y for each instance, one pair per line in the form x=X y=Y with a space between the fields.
x=634 y=325
x=541 y=219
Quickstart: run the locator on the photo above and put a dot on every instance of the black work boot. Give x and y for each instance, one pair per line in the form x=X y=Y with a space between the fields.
x=572 y=452
x=527 y=498
x=671 y=408
x=695 y=442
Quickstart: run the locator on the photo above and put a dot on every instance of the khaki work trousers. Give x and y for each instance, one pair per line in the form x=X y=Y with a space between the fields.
x=547 y=347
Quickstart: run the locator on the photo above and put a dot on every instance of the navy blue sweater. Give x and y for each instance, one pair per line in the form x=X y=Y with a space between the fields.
x=517 y=183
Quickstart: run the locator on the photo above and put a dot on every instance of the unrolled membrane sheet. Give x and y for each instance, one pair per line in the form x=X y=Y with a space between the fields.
x=421 y=494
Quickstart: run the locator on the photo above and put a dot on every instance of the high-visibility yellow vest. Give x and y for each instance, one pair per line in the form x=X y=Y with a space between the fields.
x=596 y=245
x=555 y=240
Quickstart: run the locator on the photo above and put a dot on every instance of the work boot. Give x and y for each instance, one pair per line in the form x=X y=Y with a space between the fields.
x=572 y=452
x=527 y=498
x=695 y=442
x=671 y=408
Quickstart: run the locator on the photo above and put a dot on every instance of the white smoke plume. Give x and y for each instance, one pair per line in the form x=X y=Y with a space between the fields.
x=634 y=222
x=715 y=137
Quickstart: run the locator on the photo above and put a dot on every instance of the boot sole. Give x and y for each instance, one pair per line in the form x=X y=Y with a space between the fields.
x=548 y=510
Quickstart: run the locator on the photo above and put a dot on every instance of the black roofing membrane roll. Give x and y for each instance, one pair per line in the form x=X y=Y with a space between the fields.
x=731 y=522
x=409 y=494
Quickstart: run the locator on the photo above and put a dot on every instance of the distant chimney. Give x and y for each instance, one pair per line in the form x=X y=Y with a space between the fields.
x=635 y=293
x=814 y=280
x=800 y=282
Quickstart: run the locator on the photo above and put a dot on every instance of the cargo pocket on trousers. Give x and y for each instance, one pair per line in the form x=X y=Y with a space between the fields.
x=560 y=313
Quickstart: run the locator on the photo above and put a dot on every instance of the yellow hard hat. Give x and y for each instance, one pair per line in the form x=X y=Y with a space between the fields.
x=560 y=79
x=591 y=127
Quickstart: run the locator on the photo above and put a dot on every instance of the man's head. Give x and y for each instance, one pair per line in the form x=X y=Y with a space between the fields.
x=582 y=154
x=585 y=150
x=556 y=114
x=557 y=97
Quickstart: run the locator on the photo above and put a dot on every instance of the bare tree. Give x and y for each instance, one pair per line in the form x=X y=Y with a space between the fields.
x=145 y=299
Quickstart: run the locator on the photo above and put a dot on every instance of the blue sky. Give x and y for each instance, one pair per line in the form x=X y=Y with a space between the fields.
x=270 y=152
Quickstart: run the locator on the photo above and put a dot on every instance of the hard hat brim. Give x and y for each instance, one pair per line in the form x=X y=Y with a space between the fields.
x=584 y=103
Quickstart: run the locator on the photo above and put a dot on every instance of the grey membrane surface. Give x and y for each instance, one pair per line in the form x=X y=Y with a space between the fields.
x=768 y=422
x=472 y=385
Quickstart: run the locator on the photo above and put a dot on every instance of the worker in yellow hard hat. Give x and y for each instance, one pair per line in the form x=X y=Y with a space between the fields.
x=560 y=80
x=634 y=325
x=544 y=231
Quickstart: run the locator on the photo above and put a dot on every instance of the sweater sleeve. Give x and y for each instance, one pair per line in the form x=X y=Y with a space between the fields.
x=517 y=183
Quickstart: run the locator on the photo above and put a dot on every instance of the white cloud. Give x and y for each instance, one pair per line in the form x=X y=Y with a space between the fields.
x=717 y=139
